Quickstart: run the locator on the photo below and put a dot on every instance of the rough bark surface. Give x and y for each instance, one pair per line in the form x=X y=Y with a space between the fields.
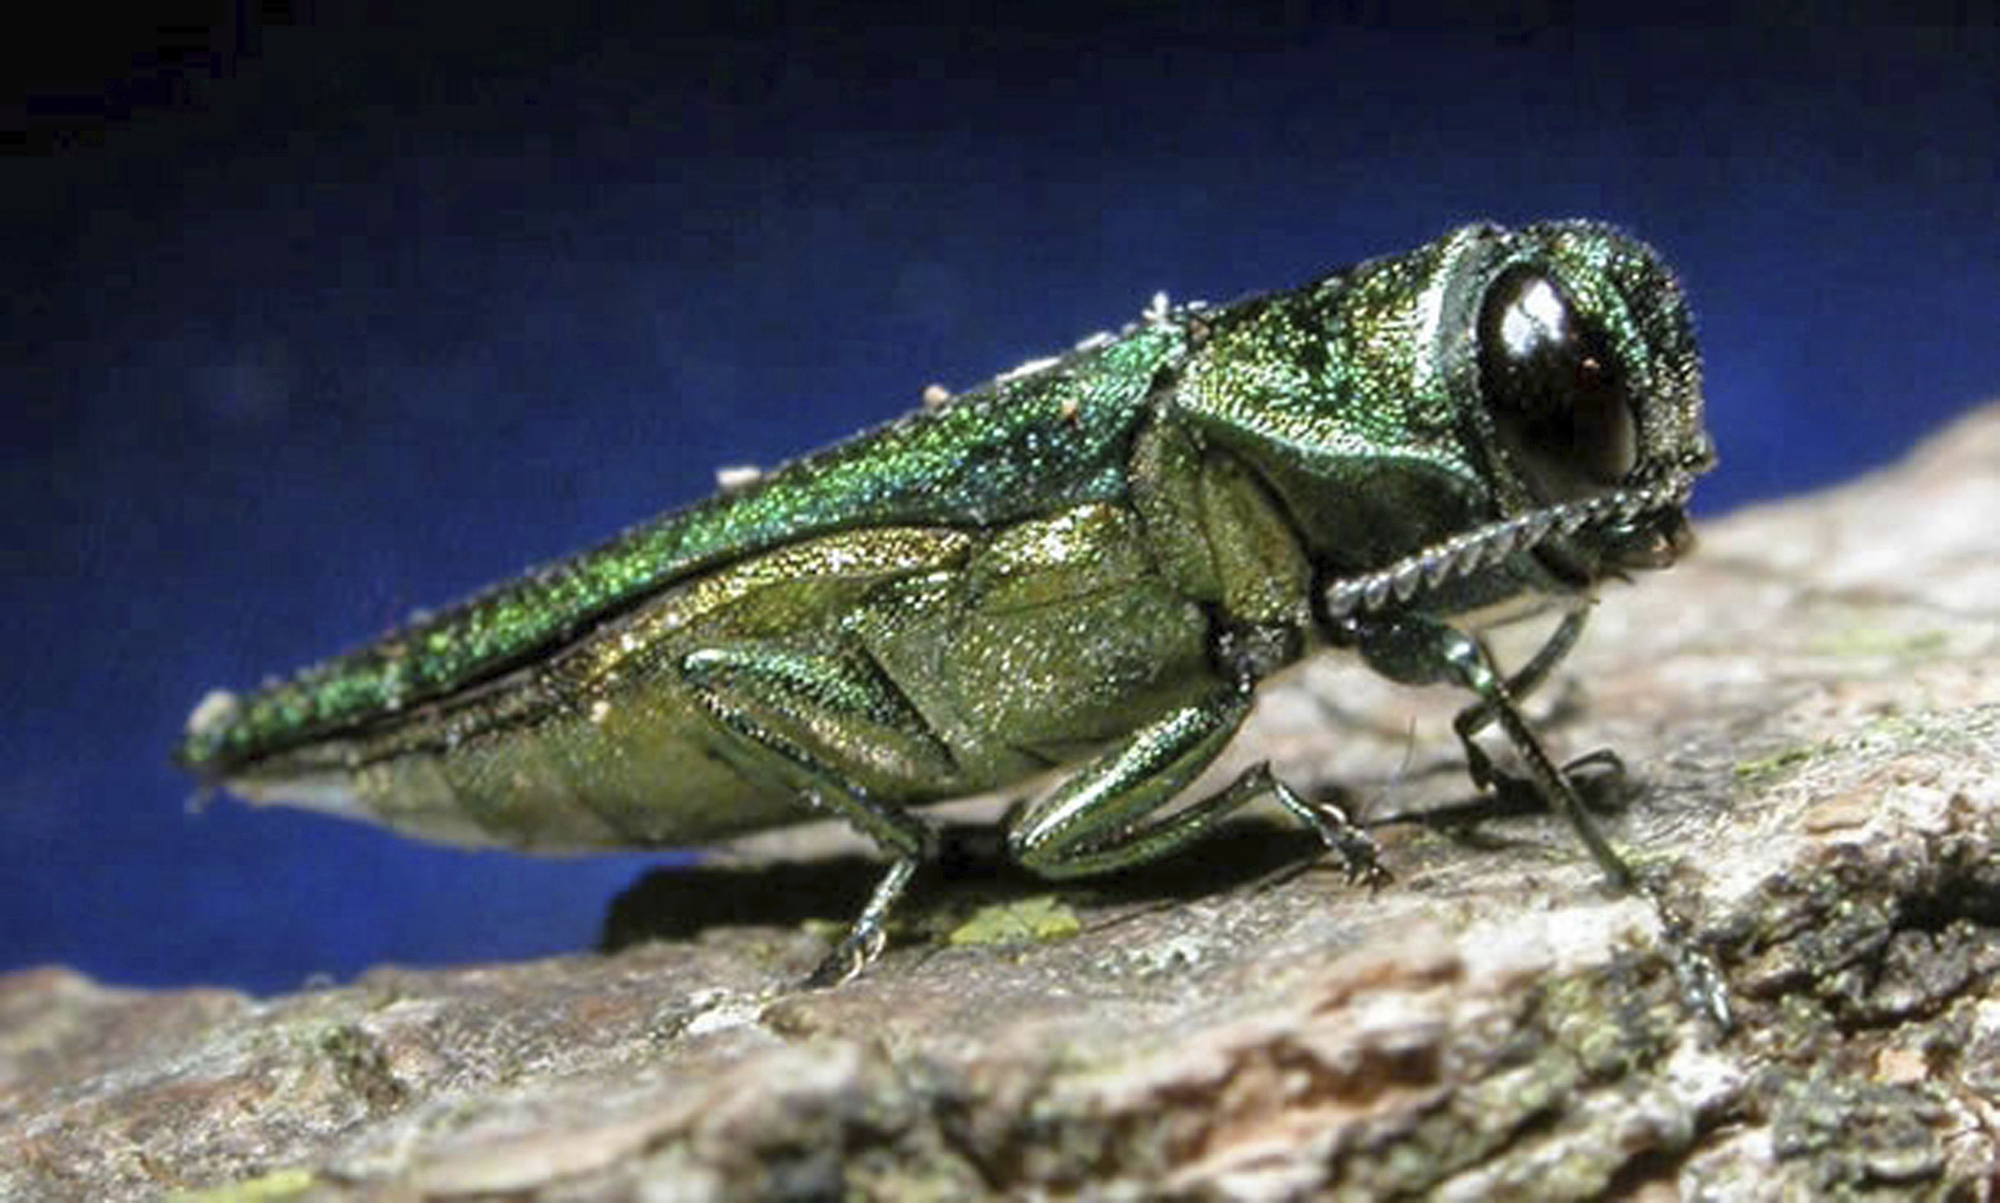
x=1810 y=707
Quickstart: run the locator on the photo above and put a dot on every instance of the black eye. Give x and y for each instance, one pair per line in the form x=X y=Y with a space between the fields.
x=1554 y=387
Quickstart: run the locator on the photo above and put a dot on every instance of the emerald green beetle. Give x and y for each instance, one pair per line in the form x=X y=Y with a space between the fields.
x=1091 y=561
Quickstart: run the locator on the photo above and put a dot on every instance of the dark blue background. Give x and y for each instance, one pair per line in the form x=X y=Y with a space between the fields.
x=313 y=325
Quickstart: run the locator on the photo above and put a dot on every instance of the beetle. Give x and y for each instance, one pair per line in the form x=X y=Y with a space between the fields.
x=1091 y=561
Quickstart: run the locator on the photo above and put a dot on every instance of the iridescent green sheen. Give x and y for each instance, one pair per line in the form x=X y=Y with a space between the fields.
x=1007 y=450
x=1091 y=562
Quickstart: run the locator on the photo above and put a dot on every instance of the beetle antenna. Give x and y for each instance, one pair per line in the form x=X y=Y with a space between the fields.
x=1482 y=547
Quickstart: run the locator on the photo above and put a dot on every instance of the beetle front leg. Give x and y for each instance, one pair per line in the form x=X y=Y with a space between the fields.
x=784 y=716
x=1102 y=817
x=1474 y=718
x=1418 y=650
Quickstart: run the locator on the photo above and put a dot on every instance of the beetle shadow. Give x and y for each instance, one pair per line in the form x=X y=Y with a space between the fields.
x=681 y=903
x=972 y=868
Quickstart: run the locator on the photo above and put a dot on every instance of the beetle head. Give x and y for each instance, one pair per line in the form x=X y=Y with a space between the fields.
x=1578 y=345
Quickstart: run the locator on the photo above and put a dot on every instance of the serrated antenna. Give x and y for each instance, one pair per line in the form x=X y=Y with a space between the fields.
x=1485 y=546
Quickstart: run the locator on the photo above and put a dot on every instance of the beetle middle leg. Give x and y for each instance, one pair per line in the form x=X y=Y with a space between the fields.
x=1102 y=817
x=813 y=722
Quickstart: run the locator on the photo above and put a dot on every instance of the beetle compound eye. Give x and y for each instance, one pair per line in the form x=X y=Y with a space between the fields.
x=1556 y=393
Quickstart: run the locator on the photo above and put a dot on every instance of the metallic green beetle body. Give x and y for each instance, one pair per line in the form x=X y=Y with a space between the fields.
x=1089 y=561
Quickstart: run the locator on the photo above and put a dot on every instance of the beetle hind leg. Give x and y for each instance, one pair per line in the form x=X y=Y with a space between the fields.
x=816 y=724
x=1104 y=816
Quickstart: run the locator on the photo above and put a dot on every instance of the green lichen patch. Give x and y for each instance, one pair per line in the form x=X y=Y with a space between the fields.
x=1879 y=641
x=1026 y=921
x=1765 y=770
x=265 y=1188
x=364 y=1068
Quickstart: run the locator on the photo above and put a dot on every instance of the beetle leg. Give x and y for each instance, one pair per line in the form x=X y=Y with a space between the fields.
x=1418 y=650
x=1474 y=718
x=1101 y=818
x=808 y=722
x=1597 y=774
